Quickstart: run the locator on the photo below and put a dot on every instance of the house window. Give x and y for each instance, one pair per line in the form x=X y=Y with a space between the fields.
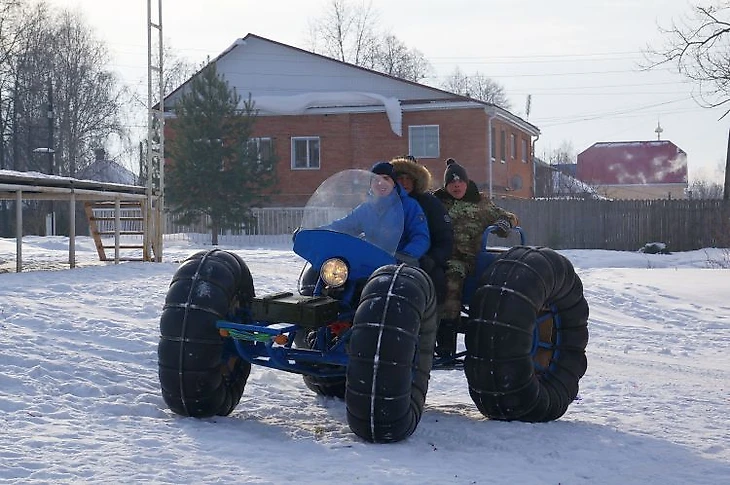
x=513 y=146
x=263 y=148
x=423 y=141
x=305 y=152
x=493 y=141
x=502 y=145
x=525 y=151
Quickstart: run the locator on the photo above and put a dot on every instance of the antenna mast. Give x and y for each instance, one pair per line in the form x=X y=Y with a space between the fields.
x=155 y=134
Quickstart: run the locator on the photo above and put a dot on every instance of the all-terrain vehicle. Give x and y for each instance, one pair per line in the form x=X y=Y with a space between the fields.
x=362 y=327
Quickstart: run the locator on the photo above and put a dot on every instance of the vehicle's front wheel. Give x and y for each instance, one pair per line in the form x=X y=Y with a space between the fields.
x=526 y=336
x=200 y=373
x=391 y=352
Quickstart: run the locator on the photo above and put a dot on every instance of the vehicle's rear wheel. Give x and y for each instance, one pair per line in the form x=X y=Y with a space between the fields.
x=200 y=373
x=391 y=351
x=526 y=336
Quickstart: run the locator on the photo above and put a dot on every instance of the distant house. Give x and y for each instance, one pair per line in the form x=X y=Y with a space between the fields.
x=635 y=169
x=558 y=181
x=103 y=170
x=320 y=116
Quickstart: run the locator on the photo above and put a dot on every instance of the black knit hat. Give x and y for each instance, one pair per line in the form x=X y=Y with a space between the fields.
x=383 y=168
x=454 y=171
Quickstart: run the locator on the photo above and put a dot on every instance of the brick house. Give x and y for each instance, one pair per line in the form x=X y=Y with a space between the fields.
x=635 y=169
x=320 y=116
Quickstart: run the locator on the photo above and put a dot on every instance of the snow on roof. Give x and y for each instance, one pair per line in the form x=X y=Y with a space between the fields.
x=299 y=103
x=108 y=171
x=45 y=180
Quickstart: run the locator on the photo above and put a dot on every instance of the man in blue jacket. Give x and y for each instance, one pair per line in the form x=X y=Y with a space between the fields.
x=390 y=219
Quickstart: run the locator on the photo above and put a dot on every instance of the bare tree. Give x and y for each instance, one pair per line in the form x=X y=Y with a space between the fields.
x=563 y=155
x=345 y=32
x=31 y=70
x=477 y=86
x=704 y=189
x=87 y=97
x=351 y=33
x=176 y=71
x=63 y=99
x=10 y=34
x=391 y=56
x=10 y=12
x=697 y=45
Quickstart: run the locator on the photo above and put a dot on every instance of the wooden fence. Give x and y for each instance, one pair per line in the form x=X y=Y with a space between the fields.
x=625 y=225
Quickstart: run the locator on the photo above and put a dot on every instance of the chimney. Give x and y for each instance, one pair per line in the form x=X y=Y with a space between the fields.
x=99 y=154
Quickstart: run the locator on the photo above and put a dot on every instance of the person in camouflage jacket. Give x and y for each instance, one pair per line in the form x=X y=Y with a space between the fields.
x=471 y=212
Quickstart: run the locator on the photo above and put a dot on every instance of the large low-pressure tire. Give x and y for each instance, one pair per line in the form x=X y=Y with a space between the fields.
x=200 y=375
x=326 y=386
x=322 y=386
x=526 y=336
x=391 y=352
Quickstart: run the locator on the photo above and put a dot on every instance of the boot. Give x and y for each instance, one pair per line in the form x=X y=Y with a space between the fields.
x=446 y=338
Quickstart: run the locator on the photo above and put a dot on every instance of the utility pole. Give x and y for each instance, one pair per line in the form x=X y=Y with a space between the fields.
x=155 y=133
x=51 y=168
x=49 y=114
x=3 y=217
x=726 y=189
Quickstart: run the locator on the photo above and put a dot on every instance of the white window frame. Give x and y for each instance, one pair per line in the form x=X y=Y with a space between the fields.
x=525 y=149
x=310 y=164
x=513 y=145
x=426 y=150
x=257 y=141
x=503 y=146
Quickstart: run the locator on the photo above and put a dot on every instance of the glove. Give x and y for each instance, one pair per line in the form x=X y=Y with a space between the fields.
x=503 y=227
x=406 y=259
x=427 y=263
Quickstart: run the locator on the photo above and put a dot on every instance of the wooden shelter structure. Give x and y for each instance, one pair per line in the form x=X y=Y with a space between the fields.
x=24 y=186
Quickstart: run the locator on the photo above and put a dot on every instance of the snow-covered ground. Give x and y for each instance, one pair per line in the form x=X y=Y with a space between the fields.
x=80 y=400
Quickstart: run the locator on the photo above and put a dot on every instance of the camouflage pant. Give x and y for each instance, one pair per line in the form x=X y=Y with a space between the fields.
x=456 y=273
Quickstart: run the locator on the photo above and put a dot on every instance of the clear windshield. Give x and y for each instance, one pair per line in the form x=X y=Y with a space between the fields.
x=357 y=202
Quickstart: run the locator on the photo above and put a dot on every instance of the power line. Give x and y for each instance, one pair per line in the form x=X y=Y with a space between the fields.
x=550 y=122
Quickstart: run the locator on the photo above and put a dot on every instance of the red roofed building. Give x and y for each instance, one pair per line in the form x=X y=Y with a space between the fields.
x=635 y=169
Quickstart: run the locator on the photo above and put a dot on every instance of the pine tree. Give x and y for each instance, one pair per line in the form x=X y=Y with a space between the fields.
x=215 y=168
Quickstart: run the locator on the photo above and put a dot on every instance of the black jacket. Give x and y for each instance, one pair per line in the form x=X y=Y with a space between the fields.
x=439 y=227
x=439 y=222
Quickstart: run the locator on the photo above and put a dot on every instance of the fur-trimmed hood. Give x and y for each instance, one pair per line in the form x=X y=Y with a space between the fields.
x=419 y=173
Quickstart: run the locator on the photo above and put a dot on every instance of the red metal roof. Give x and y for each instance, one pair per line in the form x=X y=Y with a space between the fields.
x=633 y=162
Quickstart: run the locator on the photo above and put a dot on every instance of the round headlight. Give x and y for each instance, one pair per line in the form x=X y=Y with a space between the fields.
x=334 y=272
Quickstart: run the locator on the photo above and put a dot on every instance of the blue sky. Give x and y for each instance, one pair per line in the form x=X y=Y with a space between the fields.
x=578 y=60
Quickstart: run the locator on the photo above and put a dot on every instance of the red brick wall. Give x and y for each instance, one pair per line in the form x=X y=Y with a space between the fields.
x=359 y=140
x=462 y=136
x=503 y=173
